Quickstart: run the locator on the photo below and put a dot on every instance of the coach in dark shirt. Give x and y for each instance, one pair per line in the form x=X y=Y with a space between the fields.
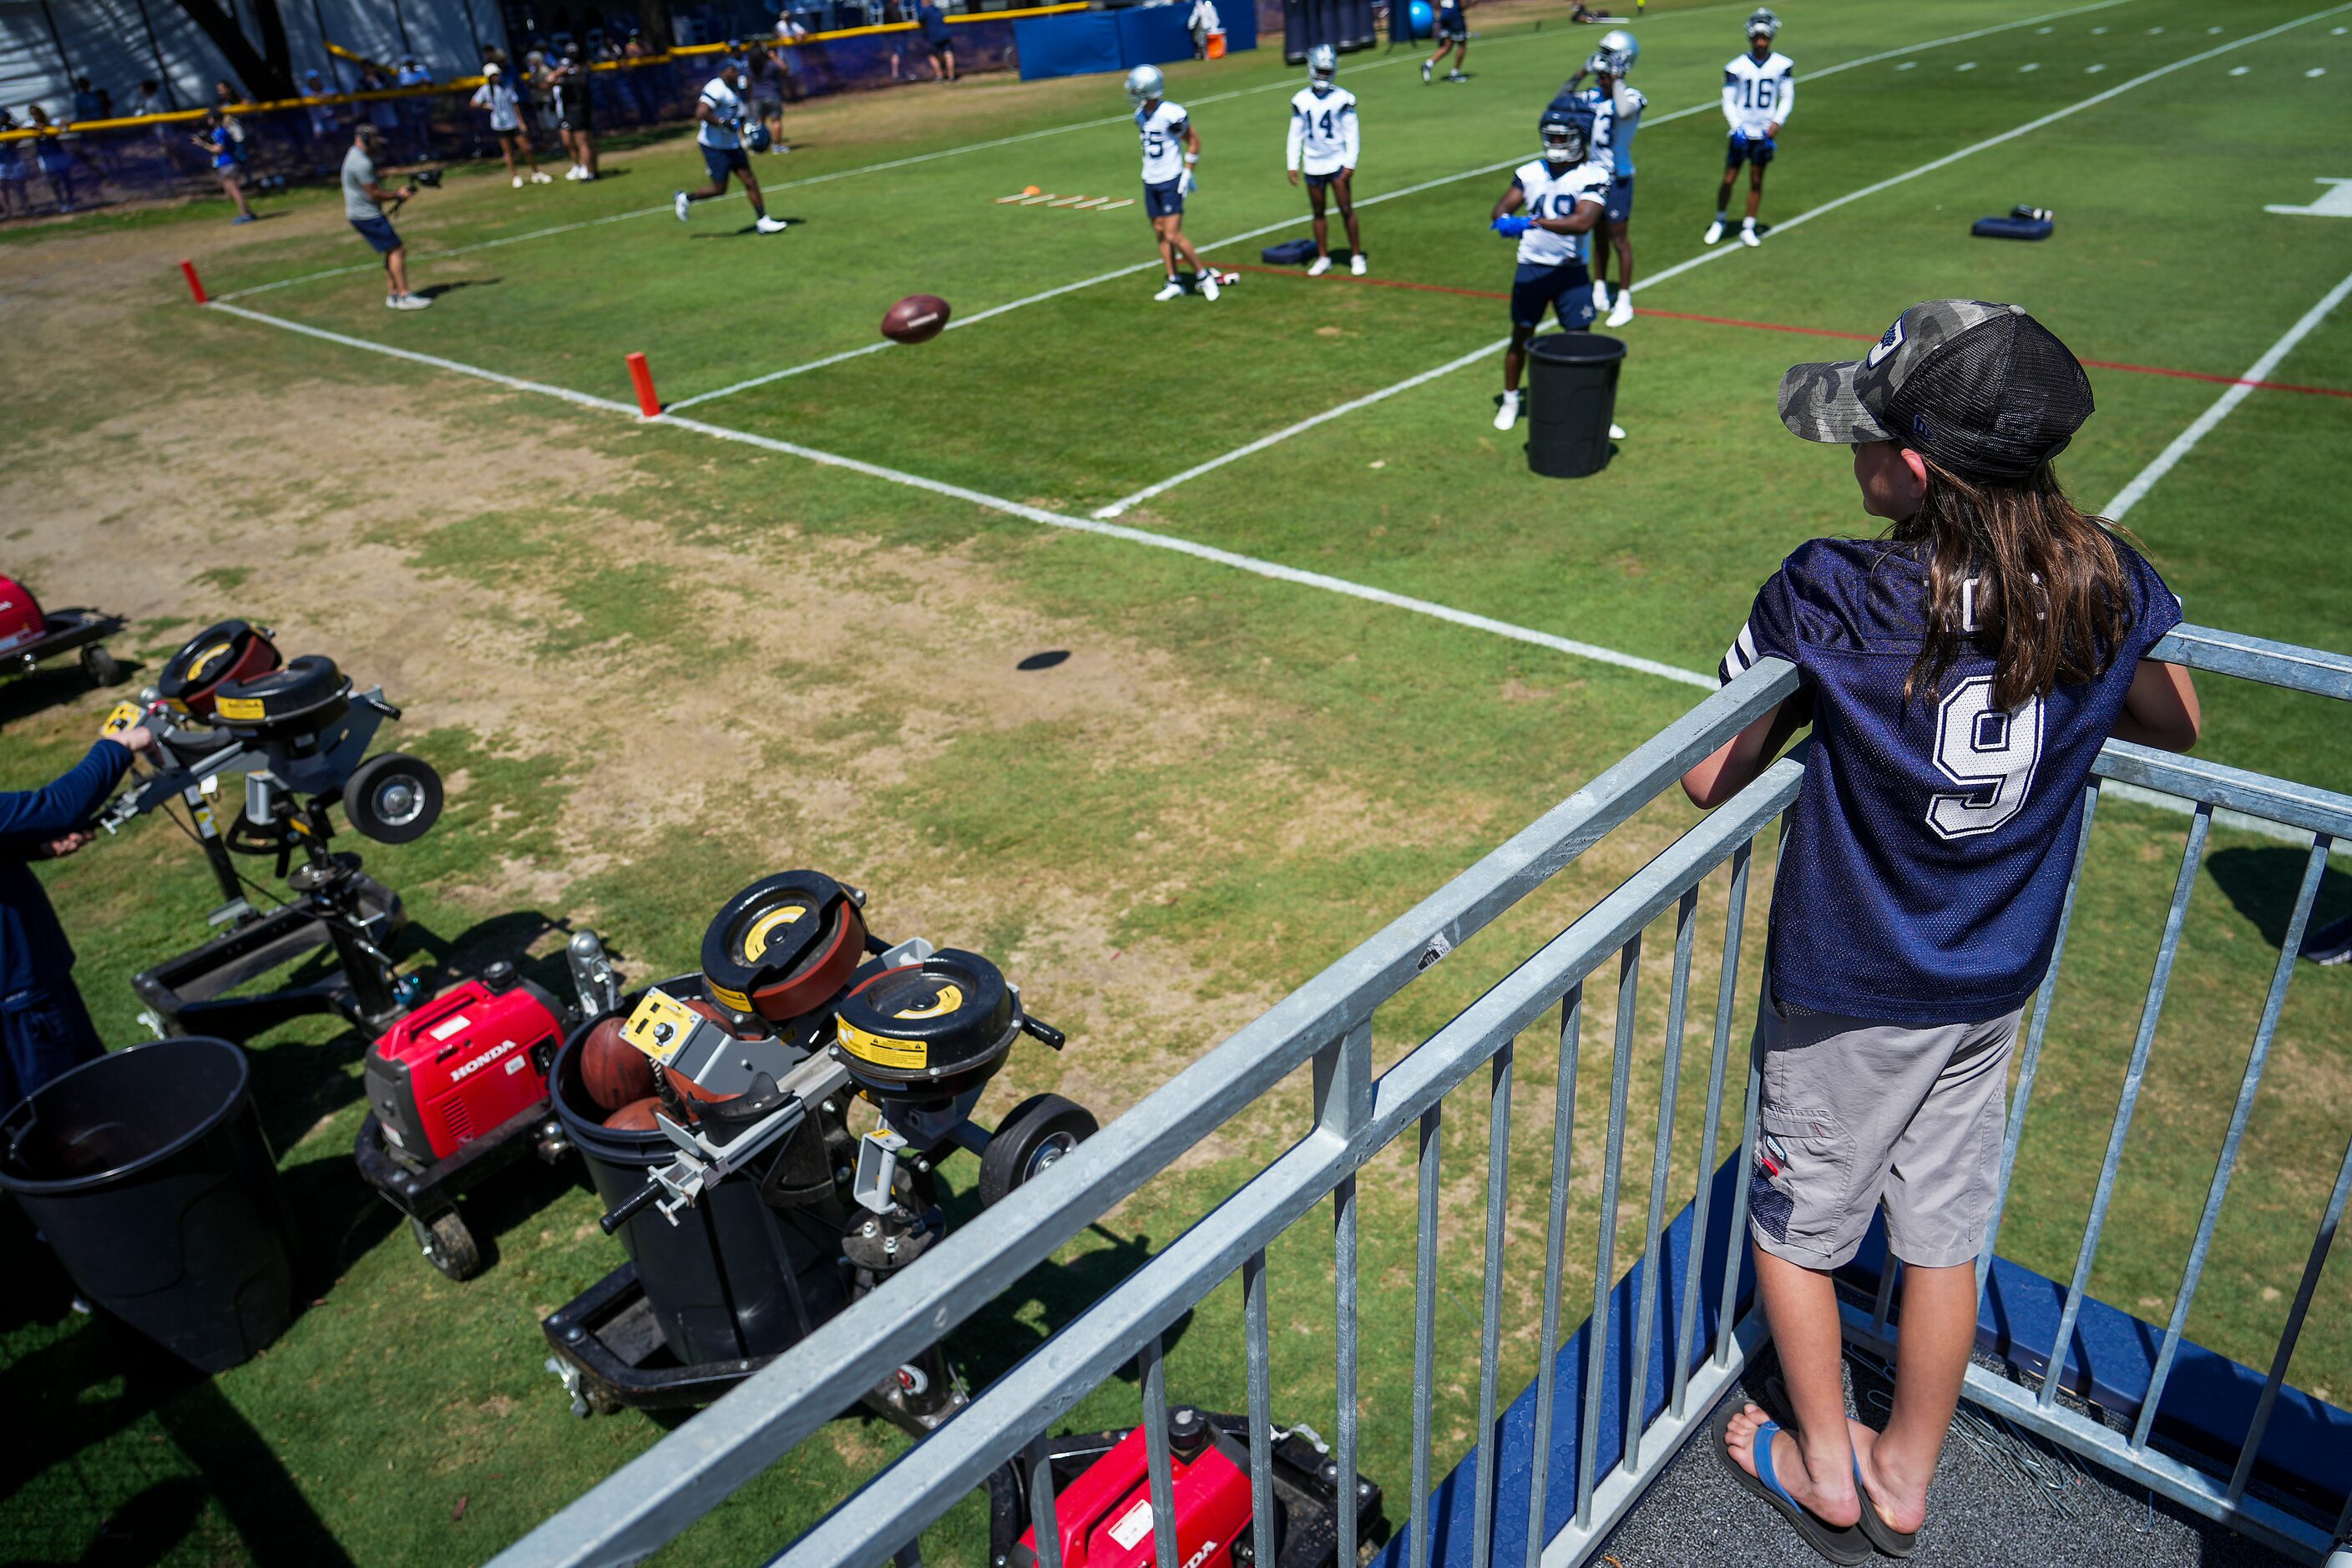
x=44 y=1027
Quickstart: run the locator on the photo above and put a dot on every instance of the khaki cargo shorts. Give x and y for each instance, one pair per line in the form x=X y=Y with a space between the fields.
x=1858 y=1114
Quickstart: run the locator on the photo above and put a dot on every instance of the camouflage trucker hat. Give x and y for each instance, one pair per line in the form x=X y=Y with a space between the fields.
x=1985 y=390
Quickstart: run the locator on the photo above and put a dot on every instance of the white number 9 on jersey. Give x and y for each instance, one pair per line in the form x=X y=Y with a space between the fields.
x=1990 y=753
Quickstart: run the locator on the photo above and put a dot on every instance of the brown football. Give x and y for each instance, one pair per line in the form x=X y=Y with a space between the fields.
x=612 y=1070
x=917 y=319
x=637 y=1116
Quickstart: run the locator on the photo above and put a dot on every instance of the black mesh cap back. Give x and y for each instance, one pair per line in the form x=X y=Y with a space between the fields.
x=1995 y=401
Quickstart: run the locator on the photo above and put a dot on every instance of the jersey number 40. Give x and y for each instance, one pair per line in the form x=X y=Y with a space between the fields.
x=1990 y=753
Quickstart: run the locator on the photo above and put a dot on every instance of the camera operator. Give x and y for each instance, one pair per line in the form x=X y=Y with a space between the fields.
x=363 y=202
x=43 y=1025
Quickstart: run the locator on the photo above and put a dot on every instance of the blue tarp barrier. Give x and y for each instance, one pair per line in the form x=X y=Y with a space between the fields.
x=1086 y=42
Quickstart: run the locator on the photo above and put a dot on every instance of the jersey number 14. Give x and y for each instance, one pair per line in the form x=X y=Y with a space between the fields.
x=1990 y=753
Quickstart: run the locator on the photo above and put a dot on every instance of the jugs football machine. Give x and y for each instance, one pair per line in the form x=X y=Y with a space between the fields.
x=293 y=736
x=766 y=1134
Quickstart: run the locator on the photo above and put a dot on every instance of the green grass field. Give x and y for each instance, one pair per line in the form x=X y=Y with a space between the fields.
x=654 y=662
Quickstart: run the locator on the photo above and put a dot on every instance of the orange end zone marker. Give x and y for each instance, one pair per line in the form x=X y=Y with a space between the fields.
x=641 y=375
x=188 y=270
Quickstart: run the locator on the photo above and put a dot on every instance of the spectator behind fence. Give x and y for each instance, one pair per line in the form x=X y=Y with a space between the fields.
x=416 y=113
x=85 y=101
x=505 y=110
x=149 y=100
x=365 y=199
x=937 y=38
x=766 y=71
x=575 y=115
x=57 y=163
x=220 y=150
x=13 y=199
x=1204 y=21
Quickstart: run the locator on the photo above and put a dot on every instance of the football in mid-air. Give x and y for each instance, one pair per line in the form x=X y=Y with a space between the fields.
x=917 y=319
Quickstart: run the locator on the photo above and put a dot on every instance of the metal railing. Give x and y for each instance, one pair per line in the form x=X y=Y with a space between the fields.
x=1327 y=1024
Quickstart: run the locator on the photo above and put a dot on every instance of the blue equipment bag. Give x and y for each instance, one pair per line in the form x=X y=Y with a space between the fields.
x=1289 y=253
x=2011 y=228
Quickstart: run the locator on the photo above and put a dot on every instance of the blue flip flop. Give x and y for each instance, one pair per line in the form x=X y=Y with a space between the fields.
x=1885 y=1537
x=1845 y=1545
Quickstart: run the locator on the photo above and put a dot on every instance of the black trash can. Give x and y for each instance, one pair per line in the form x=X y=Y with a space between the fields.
x=147 y=1170
x=733 y=1278
x=1573 y=398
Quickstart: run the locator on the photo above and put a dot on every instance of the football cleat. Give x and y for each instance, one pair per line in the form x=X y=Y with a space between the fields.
x=1174 y=290
x=517 y=182
x=1623 y=311
x=1455 y=76
x=1144 y=85
x=679 y=204
x=1356 y=264
x=1714 y=233
x=542 y=177
x=1322 y=265
x=1507 y=413
x=1209 y=284
x=1424 y=73
x=1748 y=236
x=1567 y=136
x=1600 y=295
x=770 y=224
x=1616 y=432
x=1322 y=64
x=407 y=302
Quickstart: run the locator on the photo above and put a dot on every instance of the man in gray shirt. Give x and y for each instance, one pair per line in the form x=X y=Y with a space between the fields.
x=363 y=202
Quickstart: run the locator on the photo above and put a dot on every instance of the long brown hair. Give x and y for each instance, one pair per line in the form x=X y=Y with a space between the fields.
x=2050 y=602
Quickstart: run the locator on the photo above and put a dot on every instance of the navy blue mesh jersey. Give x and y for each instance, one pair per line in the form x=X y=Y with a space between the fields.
x=1922 y=875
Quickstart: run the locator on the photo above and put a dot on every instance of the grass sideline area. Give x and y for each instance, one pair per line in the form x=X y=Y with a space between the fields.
x=654 y=662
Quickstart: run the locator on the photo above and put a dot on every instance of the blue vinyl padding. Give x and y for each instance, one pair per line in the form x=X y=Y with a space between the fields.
x=2208 y=1406
x=1080 y=43
x=2011 y=228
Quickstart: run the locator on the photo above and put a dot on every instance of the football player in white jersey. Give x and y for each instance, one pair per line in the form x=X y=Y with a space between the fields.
x=719 y=119
x=1759 y=89
x=1553 y=203
x=1616 y=116
x=1324 y=136
x=1171 y=150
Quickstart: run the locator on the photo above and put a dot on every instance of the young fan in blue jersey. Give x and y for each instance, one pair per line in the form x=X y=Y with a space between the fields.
x=1960 y=673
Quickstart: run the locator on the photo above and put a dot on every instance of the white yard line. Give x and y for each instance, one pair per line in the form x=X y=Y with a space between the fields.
x=1295 y=221
x=1703 y=257
x=2133 y=493
x=1255 y=565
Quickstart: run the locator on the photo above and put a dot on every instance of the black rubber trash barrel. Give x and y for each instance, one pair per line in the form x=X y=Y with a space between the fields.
x=1572 y=397
x=732 y=1278
x=147 y=1172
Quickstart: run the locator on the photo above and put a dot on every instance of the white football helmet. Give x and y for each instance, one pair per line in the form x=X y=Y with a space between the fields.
x=1762 y=20
x=1567 y=137
x=1145 y=83
x=1619 y=49
x=1322 y=64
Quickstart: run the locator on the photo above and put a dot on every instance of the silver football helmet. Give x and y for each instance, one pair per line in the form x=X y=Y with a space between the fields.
x=1145 y=83
x=1322 y=63
x=1762 y=20
x=1619 y=49
x=1566 y=137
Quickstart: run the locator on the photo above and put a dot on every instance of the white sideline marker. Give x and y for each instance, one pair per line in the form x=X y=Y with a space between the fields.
x=2132 y=494
x=1209 y=552
x=1703 y=257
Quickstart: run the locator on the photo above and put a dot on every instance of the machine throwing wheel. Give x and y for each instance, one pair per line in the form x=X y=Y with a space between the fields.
x=929 y=1030
x=784 y=946
x=1033 y=1135
x=393 y=798
x=221 y=652
x=102 y=668
x=447 y=1245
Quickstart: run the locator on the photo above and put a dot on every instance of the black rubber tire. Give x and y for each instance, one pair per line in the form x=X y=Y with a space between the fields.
x=393 y=798
x=1033 y=1135
x=447 y=1245
x=102 y=668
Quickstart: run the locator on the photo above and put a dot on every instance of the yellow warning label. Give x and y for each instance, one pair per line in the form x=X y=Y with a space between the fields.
x=124 y=716
x=882 y=1052
x=202 y=664
x=755 y=941
x=949 y=998
x=240 y=707
x=660 y=1026
x=726 y=998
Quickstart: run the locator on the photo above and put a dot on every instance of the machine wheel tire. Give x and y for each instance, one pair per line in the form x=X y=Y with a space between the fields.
x=102 y=668
x=447 y=1245
x=1036 y=1133
x=393 y=798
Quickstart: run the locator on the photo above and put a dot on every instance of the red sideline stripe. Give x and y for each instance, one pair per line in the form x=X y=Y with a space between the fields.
x=1828 y=333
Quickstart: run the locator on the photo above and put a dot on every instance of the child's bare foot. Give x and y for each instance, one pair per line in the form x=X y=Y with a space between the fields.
x=1901 y=1503
x=1833 y=1501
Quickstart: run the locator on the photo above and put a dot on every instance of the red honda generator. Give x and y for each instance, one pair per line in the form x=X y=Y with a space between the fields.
x=29 y=634
x=1102 y=1499
x=457 y=1089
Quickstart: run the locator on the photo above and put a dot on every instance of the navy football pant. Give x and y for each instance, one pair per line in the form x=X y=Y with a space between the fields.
x=41 y=1036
